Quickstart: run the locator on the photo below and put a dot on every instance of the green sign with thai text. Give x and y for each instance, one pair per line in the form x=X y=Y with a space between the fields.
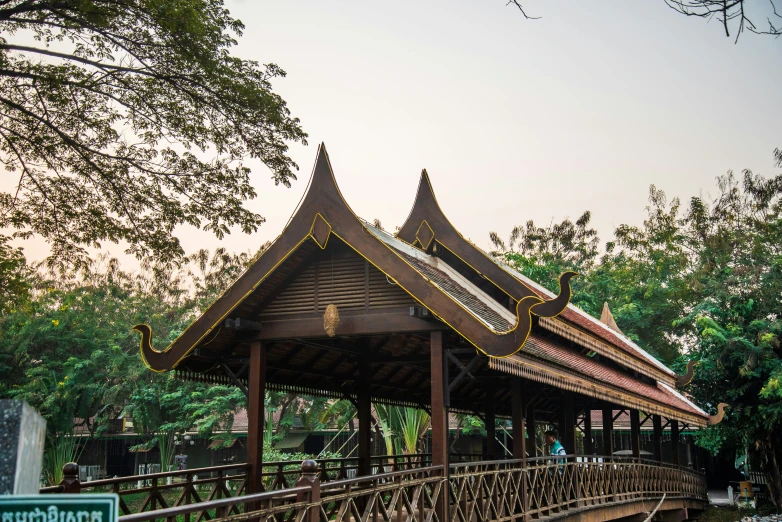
x=59 y=508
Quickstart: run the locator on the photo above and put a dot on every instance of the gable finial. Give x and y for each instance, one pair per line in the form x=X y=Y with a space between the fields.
x=323 y=184
x=607 y=318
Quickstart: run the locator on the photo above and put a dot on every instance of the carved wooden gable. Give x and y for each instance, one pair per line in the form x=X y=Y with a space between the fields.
x=340 y=277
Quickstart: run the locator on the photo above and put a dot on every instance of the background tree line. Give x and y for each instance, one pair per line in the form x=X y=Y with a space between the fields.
x=701 y=281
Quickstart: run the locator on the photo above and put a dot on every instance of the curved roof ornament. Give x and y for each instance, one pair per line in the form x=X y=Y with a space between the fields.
x=683 y=380
x=716 y=419
x=147 y=352
x=554 y=307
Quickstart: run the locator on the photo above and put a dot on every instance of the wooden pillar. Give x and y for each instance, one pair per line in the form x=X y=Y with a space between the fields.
x=439 y=419
x=589 y=446
x=520 y=436
x=635 y=433
x=364 y=419
x=675 y=442
x=657 y=440
x=532 y=437
x=567 y=428
x=517 y=418
x=608 y=431
x=491 y=425
x=256 y=416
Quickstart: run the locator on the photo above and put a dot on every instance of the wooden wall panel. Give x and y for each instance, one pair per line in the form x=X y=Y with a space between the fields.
x=347 y=281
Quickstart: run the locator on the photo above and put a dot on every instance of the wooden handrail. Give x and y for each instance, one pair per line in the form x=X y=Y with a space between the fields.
x=552 y=484
x=214 y=504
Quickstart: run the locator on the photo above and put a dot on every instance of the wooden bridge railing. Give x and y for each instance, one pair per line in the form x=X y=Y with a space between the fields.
x=504 y=490
x=409 y=495
x=141 y=493
x=489 y=491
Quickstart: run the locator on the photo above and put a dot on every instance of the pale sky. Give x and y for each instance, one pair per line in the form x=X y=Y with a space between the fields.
x=513 y=119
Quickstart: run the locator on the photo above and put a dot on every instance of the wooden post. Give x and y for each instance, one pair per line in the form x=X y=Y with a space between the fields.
x=70 y=478
x=491 y=426
x=256 y=417
x=532 y=437
x=439 y=419
x=364 y=419
x=608 y=431
x=517 y=418
x=309 y=478
x=567 y=436
x=567 y=429
x=675 y=442
x=589 y=446
x=657 y=423
x=519 y=436
x=635 y=433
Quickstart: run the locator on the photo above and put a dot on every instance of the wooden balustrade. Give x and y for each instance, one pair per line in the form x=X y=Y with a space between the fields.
x=140 y=493
x=408 y=496
x=492 y=490
x=404 y=489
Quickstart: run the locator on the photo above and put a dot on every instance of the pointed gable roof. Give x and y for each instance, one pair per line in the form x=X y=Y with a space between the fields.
x=561 y=317
x=324 y=213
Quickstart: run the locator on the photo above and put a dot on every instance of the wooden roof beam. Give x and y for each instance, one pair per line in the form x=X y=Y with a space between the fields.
x=354 y=325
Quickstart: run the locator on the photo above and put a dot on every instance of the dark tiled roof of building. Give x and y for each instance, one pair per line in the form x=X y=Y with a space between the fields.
x=459 y=292
x=547 y=350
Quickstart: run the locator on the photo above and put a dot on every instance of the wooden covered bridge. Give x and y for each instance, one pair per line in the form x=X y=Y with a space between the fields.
x=423 y=318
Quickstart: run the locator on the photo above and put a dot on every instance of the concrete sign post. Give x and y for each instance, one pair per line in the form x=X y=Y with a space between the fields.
x=22 y=437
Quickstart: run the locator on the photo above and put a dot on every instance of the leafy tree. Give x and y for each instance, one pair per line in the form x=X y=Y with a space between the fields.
x=738 y=281
x=15 y=277
x=640 y=274
x=544 y=253
x=126 y=118
x=644 y=278
x=701 y=282
x=68 y=350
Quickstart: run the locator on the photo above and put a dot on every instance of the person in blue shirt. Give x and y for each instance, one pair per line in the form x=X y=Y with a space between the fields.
x=557 y=450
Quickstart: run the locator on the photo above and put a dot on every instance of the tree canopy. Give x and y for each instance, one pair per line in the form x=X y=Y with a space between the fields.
x=124 y=118
x=701 y=282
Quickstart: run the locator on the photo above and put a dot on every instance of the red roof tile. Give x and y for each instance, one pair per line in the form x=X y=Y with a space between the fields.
x=543 y=348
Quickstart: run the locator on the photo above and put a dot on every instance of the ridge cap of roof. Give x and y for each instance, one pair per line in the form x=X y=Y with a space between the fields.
x=444 y=267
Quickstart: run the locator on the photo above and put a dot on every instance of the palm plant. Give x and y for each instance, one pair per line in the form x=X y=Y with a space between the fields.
x=62 y=448
x=413 y=425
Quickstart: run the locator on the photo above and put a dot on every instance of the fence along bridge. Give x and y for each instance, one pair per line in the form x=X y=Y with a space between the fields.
x=339 y=308
x=407 y=489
